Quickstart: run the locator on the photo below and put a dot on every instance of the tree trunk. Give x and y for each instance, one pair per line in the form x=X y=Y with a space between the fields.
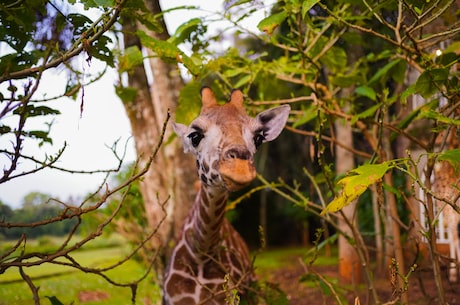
x=350 y=271
x=380 y=262
x=393 y=230
x=167 y=188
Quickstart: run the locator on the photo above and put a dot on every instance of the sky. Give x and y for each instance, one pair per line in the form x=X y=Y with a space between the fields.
x=88 y=134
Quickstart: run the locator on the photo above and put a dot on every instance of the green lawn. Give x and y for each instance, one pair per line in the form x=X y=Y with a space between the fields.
x=67 y=284
x=278 y=258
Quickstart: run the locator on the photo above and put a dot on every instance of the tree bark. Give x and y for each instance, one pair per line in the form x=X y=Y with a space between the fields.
x=167 y=188
x=350 y=271
x=393 y=231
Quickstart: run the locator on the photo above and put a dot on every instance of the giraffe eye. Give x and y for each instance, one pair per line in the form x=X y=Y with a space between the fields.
x=258 y=139
x=195 y=138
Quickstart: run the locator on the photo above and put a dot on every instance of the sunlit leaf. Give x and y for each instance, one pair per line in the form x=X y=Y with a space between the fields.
x=168 y=51
x=189 y=103
x=269 y=24
x=132 y=57
x=452 y=156
x=243 y=80
x=335 y=59
x=184 y=31
x=453 y=47
x=439 y=117
x=355 y=183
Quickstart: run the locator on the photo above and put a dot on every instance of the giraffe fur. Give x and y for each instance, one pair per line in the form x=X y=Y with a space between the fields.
x=210 y=254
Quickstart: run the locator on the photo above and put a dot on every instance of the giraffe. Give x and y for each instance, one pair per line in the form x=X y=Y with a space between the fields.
x=446 y=185
x=210 y=253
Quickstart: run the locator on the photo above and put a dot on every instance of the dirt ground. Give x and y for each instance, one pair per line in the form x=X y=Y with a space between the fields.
x=421 y=289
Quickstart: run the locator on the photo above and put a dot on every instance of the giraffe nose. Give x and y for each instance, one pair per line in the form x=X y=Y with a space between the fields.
x=238 y=153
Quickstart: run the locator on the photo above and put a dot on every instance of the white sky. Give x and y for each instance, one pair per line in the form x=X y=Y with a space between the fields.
x=102 y=123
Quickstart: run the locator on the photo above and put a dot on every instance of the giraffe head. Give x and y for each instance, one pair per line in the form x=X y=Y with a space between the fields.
x=224 y=138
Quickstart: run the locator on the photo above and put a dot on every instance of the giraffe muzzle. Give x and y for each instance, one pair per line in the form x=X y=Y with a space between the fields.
x=237 y=173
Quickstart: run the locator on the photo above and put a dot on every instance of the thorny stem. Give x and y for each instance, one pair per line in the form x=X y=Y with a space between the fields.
x=87 y=38
x=24 y=259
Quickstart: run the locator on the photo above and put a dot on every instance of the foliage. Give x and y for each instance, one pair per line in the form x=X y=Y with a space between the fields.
x=39 y=38
x=387 y=69
x=355 y=183
x=36 y=207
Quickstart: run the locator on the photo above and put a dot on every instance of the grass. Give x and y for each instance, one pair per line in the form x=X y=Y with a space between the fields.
x=278 y=258
x=67 y=283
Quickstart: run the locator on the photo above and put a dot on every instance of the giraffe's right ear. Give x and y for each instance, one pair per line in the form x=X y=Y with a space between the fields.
x=179 y=129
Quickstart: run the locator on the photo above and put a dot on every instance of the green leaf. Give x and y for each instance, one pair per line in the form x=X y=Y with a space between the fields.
x=408 y=92
x=99 y=3
x=243 y=81
x=131 y=58
x=447 y=59
x=39 y=135
x=184 y=31
x=309 y=114
x=355 y=183
x=452 y=156
x=405 y=122
x=439 y=117
x=430 y=81
x=335 y=59
x=308 y=5
x=126 y=94
x=33 y=111
x=367 y=92
x=163 y=49
x=269 y=24
x=54 y=300
x=382 y=74
x=192 y=65
x=168 y=51
x=80 y=23
x=345 y=80
x=189 y=103
x=365 y=114
x=453 y=47
x=4 y=129
x=100 y=50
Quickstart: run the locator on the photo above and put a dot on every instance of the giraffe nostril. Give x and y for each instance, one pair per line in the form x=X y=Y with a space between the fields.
x=238 y=153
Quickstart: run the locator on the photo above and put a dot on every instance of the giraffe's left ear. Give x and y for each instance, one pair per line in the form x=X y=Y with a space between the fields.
x=273 y=121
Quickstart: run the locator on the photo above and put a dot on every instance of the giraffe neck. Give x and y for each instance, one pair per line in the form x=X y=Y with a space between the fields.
x=202 y=230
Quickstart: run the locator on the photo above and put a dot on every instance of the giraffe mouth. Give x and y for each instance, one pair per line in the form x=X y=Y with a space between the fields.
x=237 y=173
